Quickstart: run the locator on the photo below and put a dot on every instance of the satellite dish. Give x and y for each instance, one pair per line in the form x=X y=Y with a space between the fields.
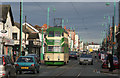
x=3 y=31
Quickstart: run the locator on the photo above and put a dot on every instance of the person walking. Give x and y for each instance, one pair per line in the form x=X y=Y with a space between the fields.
x=99 y=55
x=110 y=61
x=14 y=56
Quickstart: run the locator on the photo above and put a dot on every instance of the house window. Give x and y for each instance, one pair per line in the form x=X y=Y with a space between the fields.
x=14 y=36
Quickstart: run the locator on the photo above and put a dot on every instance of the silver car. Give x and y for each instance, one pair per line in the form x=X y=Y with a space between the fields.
x=7 y=67
x=86 y=59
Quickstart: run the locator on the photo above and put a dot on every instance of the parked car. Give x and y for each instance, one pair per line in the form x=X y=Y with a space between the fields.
x=36 y=56
x=73 y=54
x=27 y=63
x=86 y=59
x=7 y=67
x=115 y=62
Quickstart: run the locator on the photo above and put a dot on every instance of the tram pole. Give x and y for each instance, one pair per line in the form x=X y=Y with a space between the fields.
x=48 y=17
x=21 y=20
x=42 y=48
x=62 y=23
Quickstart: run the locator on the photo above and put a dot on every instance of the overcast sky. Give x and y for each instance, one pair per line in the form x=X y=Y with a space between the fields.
x=85 y=17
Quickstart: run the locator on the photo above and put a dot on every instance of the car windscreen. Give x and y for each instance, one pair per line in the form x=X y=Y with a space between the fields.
x=73 y=53
x=114 y=58
x=86 y=56
x=0 y=60
x=25 y=59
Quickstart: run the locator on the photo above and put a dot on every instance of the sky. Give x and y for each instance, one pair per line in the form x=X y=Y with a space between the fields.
x=85 y=17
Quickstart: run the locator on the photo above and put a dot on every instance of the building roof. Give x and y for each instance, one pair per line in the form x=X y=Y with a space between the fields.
x=30 y=26
x=33 y=36
x=24 y=29
x=4 y=9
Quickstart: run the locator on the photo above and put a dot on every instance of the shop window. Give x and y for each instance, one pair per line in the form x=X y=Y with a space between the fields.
x=14 y=36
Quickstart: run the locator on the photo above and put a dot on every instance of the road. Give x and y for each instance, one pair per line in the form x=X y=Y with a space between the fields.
x=72 y=69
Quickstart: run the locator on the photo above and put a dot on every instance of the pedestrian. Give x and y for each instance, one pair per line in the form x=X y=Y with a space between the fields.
x=95 y=55
x=110 y=61
x=99 y=55
x=14 y=56
x=23 y=53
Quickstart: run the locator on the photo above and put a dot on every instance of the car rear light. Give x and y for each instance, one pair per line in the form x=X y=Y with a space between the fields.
x=3 y=61
x=32 y=65
x=3 y=74
x=116 y=62
x=17 y=65
x=102 y=59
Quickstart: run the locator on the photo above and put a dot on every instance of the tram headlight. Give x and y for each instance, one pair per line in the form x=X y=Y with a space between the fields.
x=48 y=57
x=58 y=57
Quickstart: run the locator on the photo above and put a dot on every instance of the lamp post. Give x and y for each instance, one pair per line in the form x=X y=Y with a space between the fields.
x=21 y=20
x=3 y=31
x=113 y=33
x=42 y=48
x=48 y=14
x=113 y=28
x=107 y=34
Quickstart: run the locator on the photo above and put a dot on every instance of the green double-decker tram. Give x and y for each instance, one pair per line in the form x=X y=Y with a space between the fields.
x=56 y=49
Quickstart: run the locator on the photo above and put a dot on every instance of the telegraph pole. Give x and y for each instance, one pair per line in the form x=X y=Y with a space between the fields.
x=25 y=29
x=42 y=48
x=62 y=23
x=21 y=20
x=48 y=17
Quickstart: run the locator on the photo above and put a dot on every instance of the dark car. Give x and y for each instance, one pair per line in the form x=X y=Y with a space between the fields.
x=7 y=67
x=27 y=63
x=86 y=59
x=115 y=62
x=73 y=54
x=36 y=56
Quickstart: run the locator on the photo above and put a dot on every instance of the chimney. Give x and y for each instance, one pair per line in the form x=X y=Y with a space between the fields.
x=65 y=27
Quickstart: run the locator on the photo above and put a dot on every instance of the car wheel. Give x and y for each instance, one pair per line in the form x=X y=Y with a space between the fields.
x=76 y=58
x=8 y=76
x=80 y=63
x=102 y=66
x=16 y=72
x=91 y=63
x=35 y=71
x=20 y=72
x=38 y=70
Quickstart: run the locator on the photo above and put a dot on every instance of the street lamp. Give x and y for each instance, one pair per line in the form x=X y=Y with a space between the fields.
x=113 y=33
x=3 y=31
x=48 y=14
x=106 y=37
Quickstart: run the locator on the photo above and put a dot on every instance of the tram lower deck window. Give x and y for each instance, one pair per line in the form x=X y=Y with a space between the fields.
x=50 y=48
x=55 y=48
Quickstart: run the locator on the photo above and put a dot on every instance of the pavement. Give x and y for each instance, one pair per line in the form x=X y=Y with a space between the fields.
x=117 y=71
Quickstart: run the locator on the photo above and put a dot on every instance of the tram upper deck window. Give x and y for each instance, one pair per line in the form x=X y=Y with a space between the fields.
x=51 y=34
x=57 y=34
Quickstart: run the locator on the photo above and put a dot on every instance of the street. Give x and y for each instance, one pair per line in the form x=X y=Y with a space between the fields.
x=72 y=69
